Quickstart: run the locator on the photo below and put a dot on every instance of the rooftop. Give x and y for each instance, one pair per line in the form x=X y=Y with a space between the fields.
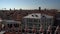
x=37 y=15
x=10 y=21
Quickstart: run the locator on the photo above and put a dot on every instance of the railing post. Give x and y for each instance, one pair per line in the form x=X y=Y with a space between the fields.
x=49 y=31
x=26 y=29
x=12 y=28
x=34 y=29
x=0 y=26
x=41 y=31
x=57 y=31
x=20 y=29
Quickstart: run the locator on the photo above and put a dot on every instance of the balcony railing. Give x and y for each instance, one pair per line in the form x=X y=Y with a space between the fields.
x=26 y=30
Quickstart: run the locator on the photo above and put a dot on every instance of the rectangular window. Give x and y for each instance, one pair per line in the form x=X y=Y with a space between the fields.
x=29 y=24
x=29 y=20
x=36 y=20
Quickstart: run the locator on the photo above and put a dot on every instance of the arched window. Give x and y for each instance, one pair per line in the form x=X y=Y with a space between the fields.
x=9 y=25
x=16 y=25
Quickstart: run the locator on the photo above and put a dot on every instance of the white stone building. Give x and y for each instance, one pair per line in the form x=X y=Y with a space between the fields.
x=37 y=19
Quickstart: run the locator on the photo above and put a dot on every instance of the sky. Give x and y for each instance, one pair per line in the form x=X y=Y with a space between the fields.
x=30 y=4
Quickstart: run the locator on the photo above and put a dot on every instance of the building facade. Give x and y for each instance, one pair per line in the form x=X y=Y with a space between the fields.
x=37 y=19
x=57 y=19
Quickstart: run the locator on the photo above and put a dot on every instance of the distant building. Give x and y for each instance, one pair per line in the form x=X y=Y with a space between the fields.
x=37 y=19
x=39 y=8
x=11 y=23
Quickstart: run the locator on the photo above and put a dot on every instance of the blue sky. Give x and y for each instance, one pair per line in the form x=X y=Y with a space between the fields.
x=30 y=4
